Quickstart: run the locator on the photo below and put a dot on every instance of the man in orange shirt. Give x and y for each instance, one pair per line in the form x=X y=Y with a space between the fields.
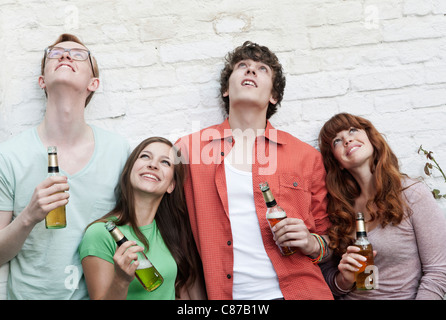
x=226 y=164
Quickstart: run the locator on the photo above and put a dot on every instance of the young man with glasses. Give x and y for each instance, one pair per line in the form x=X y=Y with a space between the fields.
x=44 y=263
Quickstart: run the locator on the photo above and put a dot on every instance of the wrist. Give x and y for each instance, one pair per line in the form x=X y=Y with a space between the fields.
x=314 y=248
x=26 y=219
x=342 y=284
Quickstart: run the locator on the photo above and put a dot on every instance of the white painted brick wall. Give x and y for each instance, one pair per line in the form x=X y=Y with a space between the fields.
x=160 y=62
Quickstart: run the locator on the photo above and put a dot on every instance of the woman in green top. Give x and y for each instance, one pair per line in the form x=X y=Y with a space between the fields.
x=150 y=210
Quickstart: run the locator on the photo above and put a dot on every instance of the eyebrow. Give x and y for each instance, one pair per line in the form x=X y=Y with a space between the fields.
x=150 y=153
x=258 y=61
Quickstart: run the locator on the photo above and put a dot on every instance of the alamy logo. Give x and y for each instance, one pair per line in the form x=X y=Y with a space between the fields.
x=371 y=282
x=72 y=280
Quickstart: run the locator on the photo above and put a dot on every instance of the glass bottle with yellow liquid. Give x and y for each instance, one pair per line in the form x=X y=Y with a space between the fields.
x=364 y=277
x=146 y=273
x=274 y=214
x=55 y=219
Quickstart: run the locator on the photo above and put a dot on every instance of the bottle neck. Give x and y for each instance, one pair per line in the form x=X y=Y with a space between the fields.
x=271 y=204
x=269 y=198
x=53 y=166
x=53 y=169
x=360 y=229
x=118 y=236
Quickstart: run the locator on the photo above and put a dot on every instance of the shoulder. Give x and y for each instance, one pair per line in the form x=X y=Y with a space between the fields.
x=299 y=149
x=97 y=242
x=195 y=141
x=95 y=231
x=415 y=190
x=111 y=141
x=22 y=139
x=211 y=131
x=109 y=136
x=423 y=206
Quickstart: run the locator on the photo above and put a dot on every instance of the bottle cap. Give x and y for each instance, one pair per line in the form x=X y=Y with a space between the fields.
x=110 y=225
x=52 y=149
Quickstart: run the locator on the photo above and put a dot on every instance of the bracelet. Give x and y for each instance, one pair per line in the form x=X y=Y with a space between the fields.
x=323 y=246
x=342 y=291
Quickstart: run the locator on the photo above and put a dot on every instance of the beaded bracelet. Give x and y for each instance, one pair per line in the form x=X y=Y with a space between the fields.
x=323 y=246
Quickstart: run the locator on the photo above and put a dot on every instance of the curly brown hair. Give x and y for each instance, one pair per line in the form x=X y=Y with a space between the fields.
x=387 y=205
x=255 y=52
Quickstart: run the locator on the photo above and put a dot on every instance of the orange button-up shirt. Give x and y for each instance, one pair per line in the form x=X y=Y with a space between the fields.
x=296 y=176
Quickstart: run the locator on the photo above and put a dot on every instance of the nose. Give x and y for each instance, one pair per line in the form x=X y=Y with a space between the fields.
x=66 y=55
x=347 y=141
x=152 y=165
x=251 y=70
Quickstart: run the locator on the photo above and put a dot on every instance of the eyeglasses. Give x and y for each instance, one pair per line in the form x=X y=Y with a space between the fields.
x=77 y=54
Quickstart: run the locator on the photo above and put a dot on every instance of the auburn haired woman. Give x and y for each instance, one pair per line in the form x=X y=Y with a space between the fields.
x=403 y=222
x=151 y=213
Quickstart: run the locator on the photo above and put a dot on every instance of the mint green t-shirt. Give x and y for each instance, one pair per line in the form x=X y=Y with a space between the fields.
x=48 y=266
x=98 y=242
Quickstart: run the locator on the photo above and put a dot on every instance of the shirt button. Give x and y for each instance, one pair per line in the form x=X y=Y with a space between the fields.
x=228 y=276
x=229 y=243
x=222 y=154
x=295 y=184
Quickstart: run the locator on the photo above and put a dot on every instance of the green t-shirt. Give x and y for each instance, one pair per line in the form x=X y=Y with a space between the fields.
x=98 y=242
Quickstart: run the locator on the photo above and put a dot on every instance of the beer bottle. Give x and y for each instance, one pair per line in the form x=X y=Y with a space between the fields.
x=55 y=219
x=364 y=278
x=146 y=273
x=274 y=214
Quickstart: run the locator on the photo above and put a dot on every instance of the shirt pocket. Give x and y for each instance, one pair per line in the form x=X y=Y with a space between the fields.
x=101 y=208
x=295 y=197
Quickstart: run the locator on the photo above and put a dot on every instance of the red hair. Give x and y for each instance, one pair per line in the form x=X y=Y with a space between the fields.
x=387 y=204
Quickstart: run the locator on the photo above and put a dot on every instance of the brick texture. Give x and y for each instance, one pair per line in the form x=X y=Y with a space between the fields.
x=160 y=62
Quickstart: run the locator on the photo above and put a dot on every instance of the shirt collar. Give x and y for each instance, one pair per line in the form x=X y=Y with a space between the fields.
x=225 y=132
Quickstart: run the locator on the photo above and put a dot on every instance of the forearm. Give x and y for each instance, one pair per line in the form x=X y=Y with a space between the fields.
x=13 y=235
x=117 y=291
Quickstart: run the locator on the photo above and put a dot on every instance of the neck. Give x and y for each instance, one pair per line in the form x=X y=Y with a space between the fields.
x=146 y=207
x=64 y=122
x=244 y=119
x=365 y=180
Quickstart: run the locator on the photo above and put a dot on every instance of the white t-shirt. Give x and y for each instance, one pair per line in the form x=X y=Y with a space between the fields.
x=254 y=274
x=48 y=265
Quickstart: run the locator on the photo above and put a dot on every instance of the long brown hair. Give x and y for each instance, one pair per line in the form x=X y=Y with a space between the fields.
x=171 y=217
x=387 y=205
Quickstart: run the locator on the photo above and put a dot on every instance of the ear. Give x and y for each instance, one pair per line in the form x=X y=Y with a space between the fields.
x=94 y=84
x=171 y=187
x=226 y=93
x=41 y=81
x=272 y=100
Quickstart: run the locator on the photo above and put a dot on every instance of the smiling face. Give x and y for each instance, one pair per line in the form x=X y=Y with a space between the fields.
x=67 y=73
x=65 y=67
x=153 y=170
x=352 y=149
x=251 y=83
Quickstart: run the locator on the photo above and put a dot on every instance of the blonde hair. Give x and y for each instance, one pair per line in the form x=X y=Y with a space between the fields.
x=69 y=37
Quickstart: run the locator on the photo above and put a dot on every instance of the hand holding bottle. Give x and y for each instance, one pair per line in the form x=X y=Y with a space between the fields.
x=126 y=261
x=293 y=232
x=133 y=259
x=349 y=265
x=48 y=195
